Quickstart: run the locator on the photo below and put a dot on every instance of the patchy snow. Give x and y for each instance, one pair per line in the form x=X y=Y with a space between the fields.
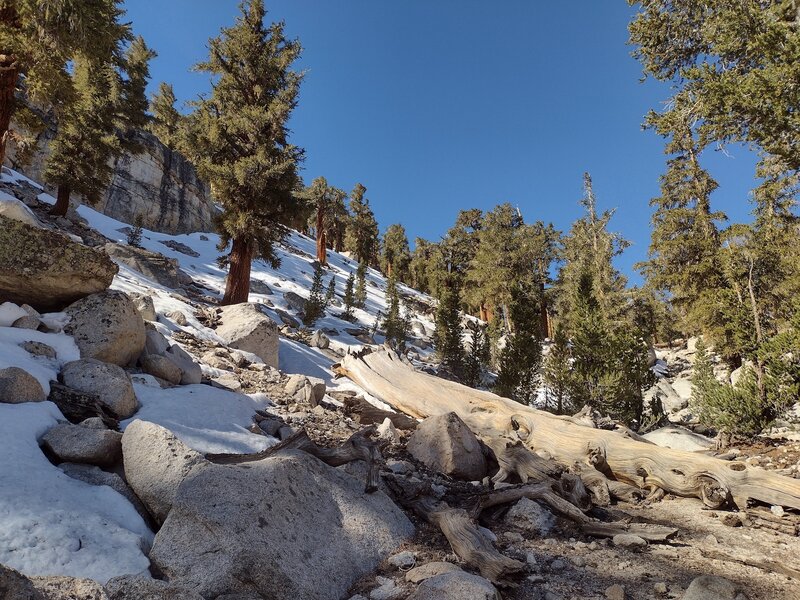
x=14 y=209
x=10 y=312
x=11 y=176
x=205 y=418
x=42 y=368
x=51 y=524
x=295 y=357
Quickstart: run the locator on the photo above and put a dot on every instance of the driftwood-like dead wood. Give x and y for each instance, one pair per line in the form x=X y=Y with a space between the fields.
x=359 y=446
x=366 y=414
x=514 y=458
x=770 y=566
x=644 y=466
x=458 y=527
x=77 y=406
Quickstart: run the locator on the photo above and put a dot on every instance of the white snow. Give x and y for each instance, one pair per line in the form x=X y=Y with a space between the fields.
x=13 y=208
x=205 y=418
x=10 y=312
x=43 y=369
x=51 y=524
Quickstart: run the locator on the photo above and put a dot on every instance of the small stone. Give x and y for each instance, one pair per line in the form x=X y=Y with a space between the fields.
x=399 y=467
x=731 y=519
x=178 y=317
x=558 y=565
x=428 y=570
x=73 y=443
x=513 y=536
x=27 y=322
x=629 y=540
x=487 y=533
x=579 y=561
x=593 y=546
x=615 y=592
x=530 y=558
x=38 y=349
x=403 y=560
x=17 y=385
x=776 y=510
x=660 y=588
x=388 y=590
x=711 y=539
x=536 y=579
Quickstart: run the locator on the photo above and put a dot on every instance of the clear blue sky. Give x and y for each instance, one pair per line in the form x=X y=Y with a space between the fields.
x=439 y=105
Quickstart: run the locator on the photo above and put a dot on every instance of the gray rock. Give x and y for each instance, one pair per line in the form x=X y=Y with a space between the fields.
x=457 y=585
x=446 y=444
x=109 y=383
x=68 y=588
x=107 y=327
x=93 y=423
x=707 y=587
x=155 y=343
x=670 y=400
x=144 y=304
x=27 y=322
x=615 y=592
x=246 y=328
x=295 y=301
x=178 y=317
x=15 y=586
x=73 y=443
x=156 y=267
x=38 y=349
x=17 y=386
x=180 y=247
x=162 y=367
x=530 y=516
x=156 y=462
x=96 y=476
x=402 y=560
x=269 y=518
x=387 y=590
x=629 y=540
x=431 y=569
x=320 y=340
x=191 y=372
x=47 y=269
x=259 y=287
x=139 y=587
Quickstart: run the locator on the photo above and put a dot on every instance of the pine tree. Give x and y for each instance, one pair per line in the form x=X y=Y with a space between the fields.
x=518 y=376
x=396 y=254
x=336 y=219
x=395 y=326
x=96 y=125
x=361 y=237
x=478 y=356
x=38 y=46
x=420 y=265
x=238 y=140
x=447 y=337
x=330 y=293
x=315 y=304
x=135 y=233
x=361 y=285
x=557 y=372
x=318 y=195
x=167 y=121
x=349 y=298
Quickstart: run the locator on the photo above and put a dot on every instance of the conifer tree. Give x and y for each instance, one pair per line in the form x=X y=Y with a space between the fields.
x=520 y=359
x=395 y=325
x=38 y=42
x=361 y=237
x=318 y=196
x=447 y=337
x=396 y=254
x=315 y=304
x=478 y=354
x=330 y=293
x=349 y=298
x=167 y=121
x=361 y=285
x=336 y=218
x=557 y=372
x=238 y=140
x=135 y=233
x=420 y=265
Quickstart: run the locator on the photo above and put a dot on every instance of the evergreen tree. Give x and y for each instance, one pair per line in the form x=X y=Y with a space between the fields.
x=318 y=196
x=361 y=285
x=336 y=218
x=557 y=372
x=135 y=233
x=315 y=304
x=38 y=44
x=520 y=358
x=396 y=254
x=167 y=121
x=330 y=293
x=420 y=265
x=395 y=325
x=361 y=237
x=238 y=140
x=132 y=108
x=478 y=354
x=447 y=337
x=349 y=298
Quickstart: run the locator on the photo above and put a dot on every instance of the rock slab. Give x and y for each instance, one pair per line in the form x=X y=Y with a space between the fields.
x=446 y=444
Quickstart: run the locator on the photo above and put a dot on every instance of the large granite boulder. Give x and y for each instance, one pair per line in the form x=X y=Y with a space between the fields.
x=288 y=526
x=707 y=587
x=156 y=462
x=109 y=383
x=47 y=269
x=139 y=587
x=107 y=326
x=77 y=444
x=17 y=386
x=15 y=585
x=246 y=328
x=445 y=443
x=155 y=266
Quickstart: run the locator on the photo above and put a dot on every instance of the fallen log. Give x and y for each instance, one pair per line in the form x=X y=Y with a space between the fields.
x=643 y=466
x=359 y=446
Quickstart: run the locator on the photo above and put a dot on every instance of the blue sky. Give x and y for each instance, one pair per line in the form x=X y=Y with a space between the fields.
x=441 y=105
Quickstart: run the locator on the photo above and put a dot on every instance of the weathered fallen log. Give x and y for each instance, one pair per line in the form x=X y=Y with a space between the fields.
x=643 y=466
x=359 y=446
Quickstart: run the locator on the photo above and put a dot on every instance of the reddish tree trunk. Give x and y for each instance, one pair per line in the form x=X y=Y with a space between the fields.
x=237 y=286
x=322 y=248
x=62 y=201
x=8 y=77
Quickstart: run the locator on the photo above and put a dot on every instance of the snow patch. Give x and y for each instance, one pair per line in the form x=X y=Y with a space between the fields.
x=42 y=368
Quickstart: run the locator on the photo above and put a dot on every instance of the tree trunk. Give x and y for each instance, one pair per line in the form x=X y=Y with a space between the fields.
x=62 y=201
x=237 y=286
x=322 y=248
x=9 y=73
x=615 y=454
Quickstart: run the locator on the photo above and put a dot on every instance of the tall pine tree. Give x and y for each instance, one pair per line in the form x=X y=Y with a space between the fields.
x=396 y=255
x=361 y=237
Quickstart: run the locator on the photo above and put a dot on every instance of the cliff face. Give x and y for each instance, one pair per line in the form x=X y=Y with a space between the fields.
x=159 y=184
